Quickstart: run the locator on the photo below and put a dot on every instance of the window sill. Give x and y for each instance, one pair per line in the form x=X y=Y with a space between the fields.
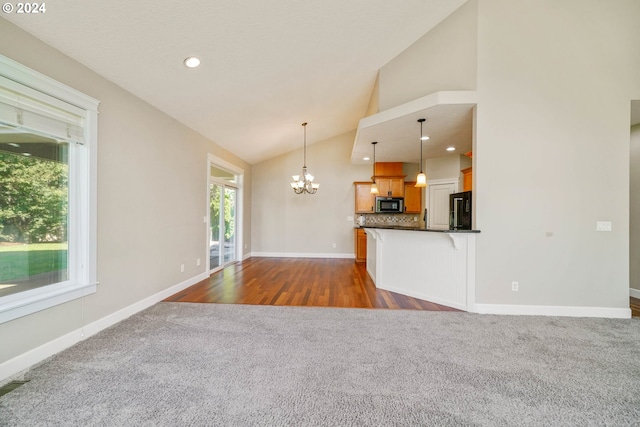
x=28 y=302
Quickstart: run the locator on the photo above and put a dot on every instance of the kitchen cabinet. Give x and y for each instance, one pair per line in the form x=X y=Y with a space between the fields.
x=467 y=179
x=412 y=198
x=360 y=244
x=388 y=169
x=390 y=186
x=364 y=199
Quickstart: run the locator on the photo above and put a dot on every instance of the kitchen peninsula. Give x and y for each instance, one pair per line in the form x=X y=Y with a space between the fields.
x=434 y=265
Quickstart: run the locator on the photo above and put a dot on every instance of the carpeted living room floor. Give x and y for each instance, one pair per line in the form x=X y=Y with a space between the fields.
x=240 y=365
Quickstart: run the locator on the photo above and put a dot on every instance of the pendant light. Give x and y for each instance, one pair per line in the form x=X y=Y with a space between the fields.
x=374 y=187
x=421 y=179
x=304 y=183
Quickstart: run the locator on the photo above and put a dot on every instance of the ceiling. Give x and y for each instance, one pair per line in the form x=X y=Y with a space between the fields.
x=448 y=123
x=266 y=66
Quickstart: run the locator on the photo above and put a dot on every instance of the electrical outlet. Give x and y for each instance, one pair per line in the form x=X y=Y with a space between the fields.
x=514 y=286
x=334 y=245
x=181 y=268
x=198 y=262
x=603 y=225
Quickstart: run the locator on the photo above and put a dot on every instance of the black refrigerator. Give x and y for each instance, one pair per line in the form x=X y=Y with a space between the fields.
x=460 y=208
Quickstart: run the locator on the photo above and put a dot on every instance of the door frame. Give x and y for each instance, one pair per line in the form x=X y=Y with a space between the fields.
x=239 y=172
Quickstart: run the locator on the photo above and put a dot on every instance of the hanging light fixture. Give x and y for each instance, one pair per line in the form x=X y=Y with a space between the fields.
x=421 y=179
x=374 y=187
x=304 y=183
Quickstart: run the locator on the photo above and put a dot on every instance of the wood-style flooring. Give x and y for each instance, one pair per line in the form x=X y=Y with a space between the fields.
x=299 y=282
x=305 y=282
x=634 y=303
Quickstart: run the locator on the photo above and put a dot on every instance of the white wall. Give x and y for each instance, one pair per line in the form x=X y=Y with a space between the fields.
x=634 y=210
x=288 y=224
x=446 y=167
x=444 y=59
x=152 y=184
x=551 y=142
x=555 y=80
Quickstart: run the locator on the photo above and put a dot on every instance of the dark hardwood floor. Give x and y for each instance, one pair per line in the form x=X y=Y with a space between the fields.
x=634 y=303
x=317 y=282
x=299 y=282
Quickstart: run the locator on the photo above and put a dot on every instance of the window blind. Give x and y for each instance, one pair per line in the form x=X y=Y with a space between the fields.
x=38 y=113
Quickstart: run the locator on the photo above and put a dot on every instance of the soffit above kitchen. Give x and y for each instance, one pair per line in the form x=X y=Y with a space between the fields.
x=265 y=67
x=449 y=122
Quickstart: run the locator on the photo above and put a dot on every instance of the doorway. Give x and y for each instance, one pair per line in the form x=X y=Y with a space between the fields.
x=223 y=216
x=222 y=224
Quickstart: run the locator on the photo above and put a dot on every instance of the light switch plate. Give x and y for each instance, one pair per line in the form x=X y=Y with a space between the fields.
x=603 y=226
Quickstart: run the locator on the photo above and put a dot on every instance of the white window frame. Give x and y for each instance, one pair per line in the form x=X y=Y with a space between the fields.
x=82 y=253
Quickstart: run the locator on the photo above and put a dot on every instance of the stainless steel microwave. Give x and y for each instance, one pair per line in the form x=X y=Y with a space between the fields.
x=389 y=205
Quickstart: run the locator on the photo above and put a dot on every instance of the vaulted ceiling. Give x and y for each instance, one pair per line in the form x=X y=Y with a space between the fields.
x=267 y=66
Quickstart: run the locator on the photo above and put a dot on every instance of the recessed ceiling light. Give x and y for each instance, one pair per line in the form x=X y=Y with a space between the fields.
x=451 y=149
x=366 y=158
x=424 y=138
x=26 y=154
x=13 y=144
x=192 y=62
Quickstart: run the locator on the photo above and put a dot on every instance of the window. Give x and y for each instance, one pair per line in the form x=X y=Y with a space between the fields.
x=34 y=207
x=47 y=192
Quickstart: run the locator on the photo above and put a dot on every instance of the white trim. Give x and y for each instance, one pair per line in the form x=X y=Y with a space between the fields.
x=301 y=255
x=634 y=293
x=455 y=181
x=224 y=164
x=545 y=310
x=20 y=363
x=35 y=80
x=27 y=302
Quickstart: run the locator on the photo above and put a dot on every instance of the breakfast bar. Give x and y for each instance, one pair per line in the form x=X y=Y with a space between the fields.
x=434 y=265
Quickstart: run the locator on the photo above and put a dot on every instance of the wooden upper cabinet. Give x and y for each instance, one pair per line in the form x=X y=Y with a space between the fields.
x=467 y=179
x=390 y=186
x=364 y=198
x=386 y=169
x=412 y=198
x=389 y=180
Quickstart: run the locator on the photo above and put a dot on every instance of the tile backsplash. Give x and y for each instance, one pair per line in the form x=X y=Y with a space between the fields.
x=397 y=220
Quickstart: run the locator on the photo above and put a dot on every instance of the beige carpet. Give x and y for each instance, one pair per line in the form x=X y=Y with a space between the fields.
x=232 y=365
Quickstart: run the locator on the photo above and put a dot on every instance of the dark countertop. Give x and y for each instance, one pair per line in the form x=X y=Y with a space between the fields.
x=432 y=230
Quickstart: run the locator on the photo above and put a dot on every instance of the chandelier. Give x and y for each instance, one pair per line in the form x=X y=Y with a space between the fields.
x=304 y=183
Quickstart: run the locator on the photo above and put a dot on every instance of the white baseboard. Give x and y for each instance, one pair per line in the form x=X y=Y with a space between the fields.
x=544 y=310
x=301 y=255
x=20 y=363
x=634 y=293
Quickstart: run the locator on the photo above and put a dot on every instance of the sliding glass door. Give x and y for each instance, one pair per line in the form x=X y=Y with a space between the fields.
x=222 y=225
x=229 y=253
